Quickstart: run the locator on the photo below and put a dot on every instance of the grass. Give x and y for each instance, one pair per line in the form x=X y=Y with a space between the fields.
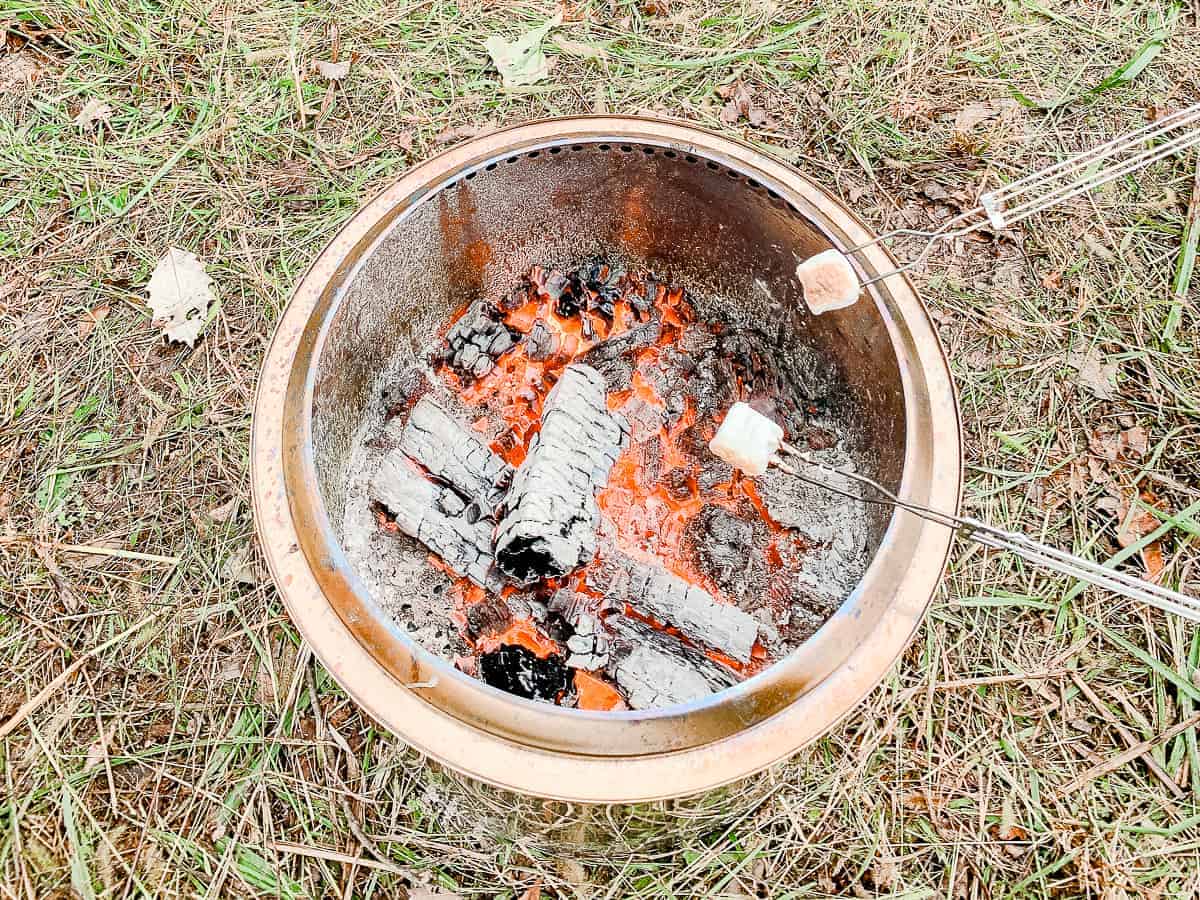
x=205 y=754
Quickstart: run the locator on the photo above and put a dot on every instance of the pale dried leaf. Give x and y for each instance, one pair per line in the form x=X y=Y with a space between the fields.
x=94 y=110
x=522 y=62
x=976 y=113
x=405 y=140
x=18 y=69
x=1094 y=375
x=332 y=71
x=1134 y=442
x=90 y=319
x=226 y=510
x=179 y=294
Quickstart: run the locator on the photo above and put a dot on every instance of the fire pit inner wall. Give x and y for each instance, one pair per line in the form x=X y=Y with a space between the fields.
x=692 y=207
x=731 y=240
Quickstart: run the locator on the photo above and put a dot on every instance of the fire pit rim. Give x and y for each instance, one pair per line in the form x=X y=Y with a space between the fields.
x=362 y=231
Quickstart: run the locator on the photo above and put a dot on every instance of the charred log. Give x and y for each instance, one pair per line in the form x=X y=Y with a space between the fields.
x=455 y=455
x=491 y=616
x=436 y=516
x=653 y=591
x=518 y=671
x=549 y=524
x=476 y=341
x=655 y=669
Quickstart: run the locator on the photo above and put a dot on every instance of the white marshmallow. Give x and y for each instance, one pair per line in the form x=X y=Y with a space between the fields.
x=829 y=281
x=747 y=439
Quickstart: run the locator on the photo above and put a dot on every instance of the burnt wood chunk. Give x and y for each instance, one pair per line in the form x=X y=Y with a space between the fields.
x=453 y=454
x=653 y=591
x=655 y=669
x=518 y=671
x=550 y=514
x=476 y=340
x=436 y=516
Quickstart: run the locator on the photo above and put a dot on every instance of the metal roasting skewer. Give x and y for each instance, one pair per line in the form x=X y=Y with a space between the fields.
x=1056 y=184
x=989 y=536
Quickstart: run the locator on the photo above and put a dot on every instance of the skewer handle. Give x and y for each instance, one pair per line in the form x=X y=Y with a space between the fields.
x=1031 y=551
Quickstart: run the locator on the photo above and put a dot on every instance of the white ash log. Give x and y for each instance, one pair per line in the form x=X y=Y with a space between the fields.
x=454 y=454
x=653 y=591
x=436 y=516
x=655 y=669
x=550 y=514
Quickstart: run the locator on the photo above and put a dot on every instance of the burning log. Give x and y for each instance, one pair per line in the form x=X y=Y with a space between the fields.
x=455 y=455
x=669 y=599
x=436 y=516
x=549 y=524
x=654 y=669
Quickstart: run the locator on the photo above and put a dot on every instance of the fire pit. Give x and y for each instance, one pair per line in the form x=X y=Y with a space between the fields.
x=721 y=229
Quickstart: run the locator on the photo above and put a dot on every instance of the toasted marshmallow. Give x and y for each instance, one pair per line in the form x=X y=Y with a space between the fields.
x=829 y=281
x=747 y=439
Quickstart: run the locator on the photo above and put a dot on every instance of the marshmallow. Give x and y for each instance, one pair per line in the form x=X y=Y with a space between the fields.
x=829 y=281
x=747 y=439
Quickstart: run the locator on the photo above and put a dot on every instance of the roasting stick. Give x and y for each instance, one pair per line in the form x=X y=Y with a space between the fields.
x=750 y=441
x=831 y=282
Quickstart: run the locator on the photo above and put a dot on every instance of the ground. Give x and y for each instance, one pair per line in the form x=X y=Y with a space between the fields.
x=187 y=746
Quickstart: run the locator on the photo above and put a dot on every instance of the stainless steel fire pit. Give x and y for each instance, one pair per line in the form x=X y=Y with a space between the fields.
x=725 y=219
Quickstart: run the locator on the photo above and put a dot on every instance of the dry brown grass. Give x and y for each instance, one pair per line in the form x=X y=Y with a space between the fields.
x=204 y=754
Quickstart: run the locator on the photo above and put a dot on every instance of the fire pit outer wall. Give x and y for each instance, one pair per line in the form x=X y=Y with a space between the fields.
x=731 y=223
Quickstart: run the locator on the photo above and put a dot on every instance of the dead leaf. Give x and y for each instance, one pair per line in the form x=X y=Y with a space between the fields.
x=179 y=294
x=332 y=71
x=422 y=892
x=405 y=140
x=1094 y=375
x=522 y=62
x=1052 y=281
x=578 y=48
x=93 y=111
x=1152 y=560
x=241 y=566
x=1134 y=442
x=98 y=749
x=18 y=69
x=739 y=104
x=976 y=113
x=226 y=510
x=656 y=7
x=573 y=12
x=90 y=319
x=453 y=133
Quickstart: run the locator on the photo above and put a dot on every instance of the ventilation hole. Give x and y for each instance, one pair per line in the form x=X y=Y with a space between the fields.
x=772 y=194
x=754 y=185
x=736 y=176
x=534 y=154
x=712 y=165
x=691 y=159
x=491 y=166
x=670 y=154
x=577 y=147
x=470 y=175
x=604 y=147
x=649 y=151
x=625 y=148
x=556 y=149
x=512 y=159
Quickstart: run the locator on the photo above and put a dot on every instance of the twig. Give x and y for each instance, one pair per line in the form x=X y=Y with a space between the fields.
x=1129 y=755
x=1159 y=772
x=30 y=705
x=334 y=856
x=119 y=553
